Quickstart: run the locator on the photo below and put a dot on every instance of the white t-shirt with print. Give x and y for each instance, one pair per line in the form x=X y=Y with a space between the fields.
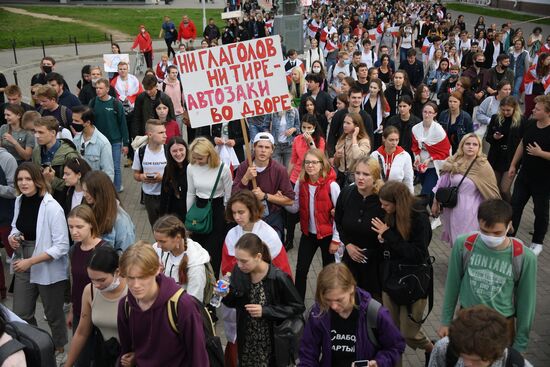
x=153 y=162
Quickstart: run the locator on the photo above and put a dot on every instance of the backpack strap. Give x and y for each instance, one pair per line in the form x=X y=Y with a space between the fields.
x=373 y=307
x=172 y=309
x=163 y=86
x=141 y=154
x=9 y=348
x=517 y=259
x=467 y=252
x=514 y=358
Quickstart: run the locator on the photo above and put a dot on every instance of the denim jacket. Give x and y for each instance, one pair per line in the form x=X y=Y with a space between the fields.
x=98 y=152
x=292 y=120
x=519 y=64
x=123 y=234
x=439 y=76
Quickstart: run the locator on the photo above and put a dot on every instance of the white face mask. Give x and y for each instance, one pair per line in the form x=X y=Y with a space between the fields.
x=316 y=70
x=492 y=241
x=111 y=287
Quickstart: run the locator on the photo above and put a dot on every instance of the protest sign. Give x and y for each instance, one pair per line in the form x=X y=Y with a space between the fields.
x=110 y=61
x=234 y=81
x=232 y=14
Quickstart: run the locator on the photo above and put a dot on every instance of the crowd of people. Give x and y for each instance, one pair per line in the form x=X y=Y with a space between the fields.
x=404 y=119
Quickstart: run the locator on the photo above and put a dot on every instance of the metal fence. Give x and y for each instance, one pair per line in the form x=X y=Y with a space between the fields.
x=44 y=43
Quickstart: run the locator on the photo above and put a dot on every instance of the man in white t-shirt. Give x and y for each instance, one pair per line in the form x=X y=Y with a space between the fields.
x=148 y=166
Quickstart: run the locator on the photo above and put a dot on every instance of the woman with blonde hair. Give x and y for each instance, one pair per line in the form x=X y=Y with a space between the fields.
x=298 y=85
x=503 y=135
x=357 y=205
x=337 y=329
x=352 y=145
x=208 y=181
x=469 y=168
x=146 y=333
x=316 y=192
x=181 y=258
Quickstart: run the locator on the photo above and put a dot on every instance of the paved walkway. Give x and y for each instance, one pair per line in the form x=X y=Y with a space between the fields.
x=69 y=65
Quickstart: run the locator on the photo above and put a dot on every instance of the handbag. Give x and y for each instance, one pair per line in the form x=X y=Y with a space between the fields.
x=406 y=284
x=286 y=339
x=346 y=178
x=447 y=197
x=199 y=220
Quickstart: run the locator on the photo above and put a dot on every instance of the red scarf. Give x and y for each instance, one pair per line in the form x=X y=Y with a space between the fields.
x=388 y=158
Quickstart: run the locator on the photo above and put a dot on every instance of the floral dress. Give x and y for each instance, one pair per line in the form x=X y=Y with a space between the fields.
x=257 y=350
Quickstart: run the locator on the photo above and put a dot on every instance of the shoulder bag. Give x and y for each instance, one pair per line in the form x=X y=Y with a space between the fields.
x=199 y=220
x=448 y=196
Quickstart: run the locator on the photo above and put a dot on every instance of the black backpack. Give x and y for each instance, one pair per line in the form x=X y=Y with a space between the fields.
x=212 y=341
x=35 y=342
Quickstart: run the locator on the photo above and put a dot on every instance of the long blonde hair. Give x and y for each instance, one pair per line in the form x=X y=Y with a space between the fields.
x=301 y=84
x=456 y=164
x=516 y=116
x=204 y=147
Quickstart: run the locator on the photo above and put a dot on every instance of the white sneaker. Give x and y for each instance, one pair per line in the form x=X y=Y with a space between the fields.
x=536 y=248
x=60 y=358
x=436 y=222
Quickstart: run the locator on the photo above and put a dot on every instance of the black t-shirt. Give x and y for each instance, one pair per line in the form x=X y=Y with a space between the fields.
x=28 y=215
x=343 y=333
x=364 y=87
x=536 y=169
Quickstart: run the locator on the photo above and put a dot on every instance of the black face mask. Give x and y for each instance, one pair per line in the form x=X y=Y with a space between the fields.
x=480 y=64
x=77 y=127
x=47 y=69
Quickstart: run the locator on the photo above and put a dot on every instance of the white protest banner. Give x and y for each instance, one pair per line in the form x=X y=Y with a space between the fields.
x=234 y=81
x=232 y=14
x=110 y=61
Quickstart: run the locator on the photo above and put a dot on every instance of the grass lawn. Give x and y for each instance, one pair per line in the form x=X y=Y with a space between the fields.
x=494 y=12
x=28 y=31
x=128 y=20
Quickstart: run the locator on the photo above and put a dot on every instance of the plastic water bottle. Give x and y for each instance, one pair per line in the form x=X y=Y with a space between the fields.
x=220 y=290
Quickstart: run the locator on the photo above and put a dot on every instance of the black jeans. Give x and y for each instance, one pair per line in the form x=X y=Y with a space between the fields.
x=523 y=190
x=308 y=247
x=148 y=59
x=169 y=42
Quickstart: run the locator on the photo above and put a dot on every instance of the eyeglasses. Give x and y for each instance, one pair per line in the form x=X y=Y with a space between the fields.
x=308 y=163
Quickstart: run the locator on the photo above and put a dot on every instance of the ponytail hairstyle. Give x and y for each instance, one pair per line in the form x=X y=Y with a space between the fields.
x=510 y=101
x=171 y=226
x=398 y=194
x=253 y=244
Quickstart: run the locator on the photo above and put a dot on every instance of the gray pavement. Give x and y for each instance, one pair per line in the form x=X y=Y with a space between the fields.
x=69 y=65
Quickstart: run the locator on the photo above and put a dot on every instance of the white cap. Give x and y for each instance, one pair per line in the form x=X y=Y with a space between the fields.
x=264 y=136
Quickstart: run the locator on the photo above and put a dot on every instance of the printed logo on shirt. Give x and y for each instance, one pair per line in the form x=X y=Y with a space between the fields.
x=342 y=342
x=488 y=276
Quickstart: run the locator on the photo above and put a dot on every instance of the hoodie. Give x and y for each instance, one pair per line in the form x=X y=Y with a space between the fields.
x=149 y=335
x=316 y=347
x=196 y=272
x=175 y=92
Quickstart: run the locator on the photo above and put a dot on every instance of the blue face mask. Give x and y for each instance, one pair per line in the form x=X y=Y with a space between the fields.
x=347 y=62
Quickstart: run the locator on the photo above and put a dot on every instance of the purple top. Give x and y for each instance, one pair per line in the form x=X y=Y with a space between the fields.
x=79 y=264
x=463 y=217
x=315 y=346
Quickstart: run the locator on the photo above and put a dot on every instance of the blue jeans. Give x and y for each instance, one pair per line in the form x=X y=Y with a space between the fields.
x=517 y=84
x=403 y=55
x=282 y=153
x=117 y=152
x=254 y=128
x=428 y=180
